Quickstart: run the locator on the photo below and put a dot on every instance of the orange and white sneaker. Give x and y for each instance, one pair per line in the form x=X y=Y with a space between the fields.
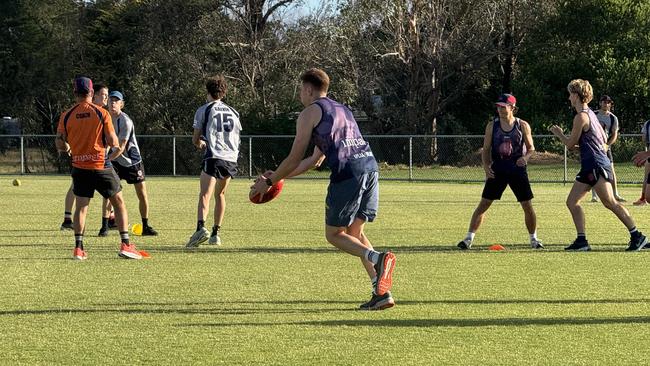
x=128 y=251
x=79 y=254
x=384 y=269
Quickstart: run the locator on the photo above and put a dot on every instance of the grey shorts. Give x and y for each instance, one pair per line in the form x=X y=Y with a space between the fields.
x=352 y=198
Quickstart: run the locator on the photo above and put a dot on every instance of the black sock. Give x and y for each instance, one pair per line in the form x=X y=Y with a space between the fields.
x=124 y=235
x=582 y=237
x=215 y=230
x=104 y=222
x=200 y=224
x=79 y=241
x=67 y=216
x=145 y=222
x=634 y=233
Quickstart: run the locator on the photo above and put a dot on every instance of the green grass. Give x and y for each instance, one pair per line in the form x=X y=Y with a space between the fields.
x=277 y=293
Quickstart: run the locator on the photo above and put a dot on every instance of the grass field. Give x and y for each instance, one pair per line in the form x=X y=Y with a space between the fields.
x=276 y=293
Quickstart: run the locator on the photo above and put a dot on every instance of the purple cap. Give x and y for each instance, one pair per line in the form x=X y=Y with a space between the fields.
x=83 y=85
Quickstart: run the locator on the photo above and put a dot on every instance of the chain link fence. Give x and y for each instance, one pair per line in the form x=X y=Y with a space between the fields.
x=410 y=158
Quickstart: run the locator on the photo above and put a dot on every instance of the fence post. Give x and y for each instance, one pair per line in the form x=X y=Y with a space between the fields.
x=174 y=155
x=565 y=165
x=250 y=158
x=22 y=154
x=410 y=158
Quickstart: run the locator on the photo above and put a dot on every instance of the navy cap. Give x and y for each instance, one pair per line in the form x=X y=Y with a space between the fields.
x=116 y=94
x=82 y=85
x=606 y=98
x=506 y=99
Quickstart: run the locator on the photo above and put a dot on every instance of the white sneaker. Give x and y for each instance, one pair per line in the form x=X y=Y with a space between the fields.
x=620 y=199
x=464 y=244
x=594 y=199
x=536 y=244
x=197 y=238
x=214 y=240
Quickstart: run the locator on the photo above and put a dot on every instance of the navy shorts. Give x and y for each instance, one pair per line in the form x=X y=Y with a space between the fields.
x=516 y=178
x=590 y=175
x=356 y=197
x=85 y=182
x=219 y=169
x=131 y=174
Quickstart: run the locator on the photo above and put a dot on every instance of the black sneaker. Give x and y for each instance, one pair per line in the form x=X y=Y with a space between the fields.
x=579 y=246
x=149 y=231
x=112 y=224
x=67 y=225
x=637 y=243
x=464 y=244
x=377 y=302
x=103 y=231
x=384 y=269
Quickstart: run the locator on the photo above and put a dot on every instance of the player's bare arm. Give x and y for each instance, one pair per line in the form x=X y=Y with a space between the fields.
x=579 y=122
x=197 y=140
x=313 y=161
x=486 y=153
x=61 y=143
x=528 y=140
x=115 y=153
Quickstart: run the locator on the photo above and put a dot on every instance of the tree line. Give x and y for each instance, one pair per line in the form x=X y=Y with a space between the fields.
x=410 y=66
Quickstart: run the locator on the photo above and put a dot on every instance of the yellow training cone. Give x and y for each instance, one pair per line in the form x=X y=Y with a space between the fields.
x=136 y=229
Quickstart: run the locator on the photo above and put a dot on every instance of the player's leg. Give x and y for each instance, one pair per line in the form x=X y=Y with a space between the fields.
x=83 y=188
x=106 y=212
x=207 y=184
x=492 y=190
x=520 y=185
x=143 y=199
x=617 y=195
x=219 y=209
x=645 y=194
x=578 y=191
x=67 y=213
x=604 y=190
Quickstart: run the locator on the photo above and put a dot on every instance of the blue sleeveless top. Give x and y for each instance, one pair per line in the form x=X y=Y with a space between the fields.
x=337 y=135
x=507 y=146
x=592 y=144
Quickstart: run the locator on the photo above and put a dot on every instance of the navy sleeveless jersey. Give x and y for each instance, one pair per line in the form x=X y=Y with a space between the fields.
x=337 y=136
x=592 y=144
x=507 y=146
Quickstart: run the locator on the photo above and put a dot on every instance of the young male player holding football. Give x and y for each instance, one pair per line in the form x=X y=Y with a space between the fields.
x=595 y=168
x=353 y=192
x=507 y=146
x=216 y=129
x=128 y=165
x=100 y=98
x=85 y=131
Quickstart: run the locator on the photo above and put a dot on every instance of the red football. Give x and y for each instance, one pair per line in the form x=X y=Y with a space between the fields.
x=271 y=194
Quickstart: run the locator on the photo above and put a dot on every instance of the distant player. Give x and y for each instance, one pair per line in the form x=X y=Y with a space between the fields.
x=353 y=192
x=128 y=164
x=100 y=98
x=216 y=130
x=85 y=131
x=609 y=123
x=507 y=147
x=595 y=168
x=645 y=135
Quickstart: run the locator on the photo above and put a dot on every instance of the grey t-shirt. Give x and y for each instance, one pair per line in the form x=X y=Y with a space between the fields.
x=608 y=121
x=125 y=131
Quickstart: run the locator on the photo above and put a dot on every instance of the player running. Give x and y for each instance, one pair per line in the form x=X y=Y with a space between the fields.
x=595 y=168
x=353 y=192
x=216 y=129
x=85 y=131
x=507 y=146
x=128 y=164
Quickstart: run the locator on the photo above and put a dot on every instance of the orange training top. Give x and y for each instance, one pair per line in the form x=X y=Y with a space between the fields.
x=86 y=127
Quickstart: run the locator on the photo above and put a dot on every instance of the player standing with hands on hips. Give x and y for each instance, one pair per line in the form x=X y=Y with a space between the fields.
x=353 y=192
x=507 y=146
x=595 y=168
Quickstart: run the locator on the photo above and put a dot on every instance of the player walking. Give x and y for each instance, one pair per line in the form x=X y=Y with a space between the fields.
x=353 y=192
x=595 y=168
x=507 y=146
x=216 y=129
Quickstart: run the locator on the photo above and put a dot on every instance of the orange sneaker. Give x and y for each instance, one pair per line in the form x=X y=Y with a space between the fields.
x=384 y=269
x=79 y=254
x=128 y=251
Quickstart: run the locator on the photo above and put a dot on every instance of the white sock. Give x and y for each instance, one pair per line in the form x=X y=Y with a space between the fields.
x=470 y=236
x=533 y=236
x=371 y=255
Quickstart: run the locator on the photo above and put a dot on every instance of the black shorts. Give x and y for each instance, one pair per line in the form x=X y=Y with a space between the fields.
x=220 y=169
x=590 y=175
x=131 y=174
x=86 y=181
x=609 y=155
x=516 y=178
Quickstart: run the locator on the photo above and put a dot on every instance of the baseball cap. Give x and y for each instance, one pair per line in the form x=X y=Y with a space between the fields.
x=506 y=99
x=116 y=94
x=82 y=85
x=606 y=98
